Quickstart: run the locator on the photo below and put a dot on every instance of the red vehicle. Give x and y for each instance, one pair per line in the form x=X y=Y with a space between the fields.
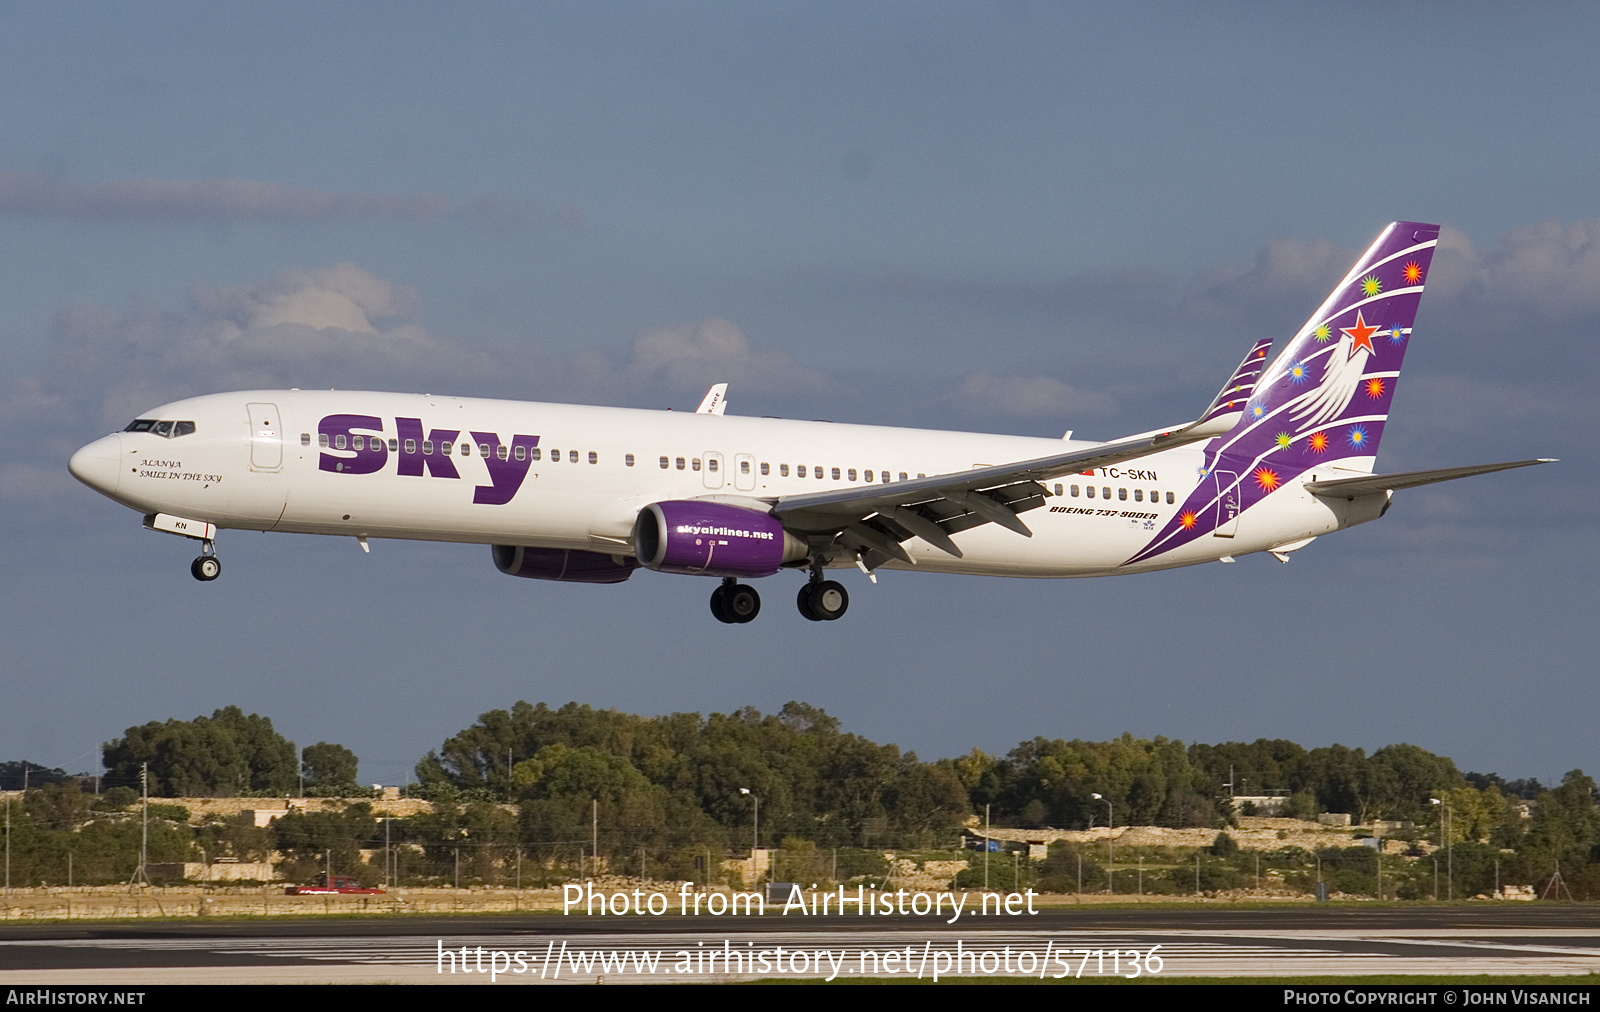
x=341 y=884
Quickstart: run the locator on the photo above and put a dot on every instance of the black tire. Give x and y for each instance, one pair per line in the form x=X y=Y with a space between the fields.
x=719 y=605
x=205 y=568
x=741 y=603
x=829 y=600
x=803 y=602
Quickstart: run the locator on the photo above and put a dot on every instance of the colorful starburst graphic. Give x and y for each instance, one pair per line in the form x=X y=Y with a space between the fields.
x=1413 y=272
x=1268 y=480
x=1370 y=285
x=1358 y=436
x=1323 y=332
x=1397 y=333
x=1188 y=520
x=1284 y=439
x=1298 y=374
x=1318 y=441
x=1258 y=410
x=1374 y=388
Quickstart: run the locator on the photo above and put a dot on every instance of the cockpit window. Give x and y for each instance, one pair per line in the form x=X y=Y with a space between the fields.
x=165 y=429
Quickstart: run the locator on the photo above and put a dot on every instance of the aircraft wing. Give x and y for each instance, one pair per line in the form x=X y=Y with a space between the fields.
x=1350 y=488
x=876 y=518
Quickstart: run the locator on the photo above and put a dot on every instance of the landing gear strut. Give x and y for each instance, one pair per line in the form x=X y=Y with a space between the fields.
x=207 y=566
x=822 y=600
x=735 y=602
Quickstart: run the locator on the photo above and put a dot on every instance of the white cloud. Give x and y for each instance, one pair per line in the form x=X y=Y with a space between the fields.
x=712 y=351
x=987 y=395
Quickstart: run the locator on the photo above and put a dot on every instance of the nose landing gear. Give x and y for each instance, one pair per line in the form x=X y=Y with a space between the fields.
x=735 y=602
x=207 y=566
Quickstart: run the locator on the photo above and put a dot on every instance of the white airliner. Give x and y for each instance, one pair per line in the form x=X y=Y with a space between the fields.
x=1283 y=454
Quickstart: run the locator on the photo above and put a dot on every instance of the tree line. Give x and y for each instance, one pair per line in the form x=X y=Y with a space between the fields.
x=548 y=787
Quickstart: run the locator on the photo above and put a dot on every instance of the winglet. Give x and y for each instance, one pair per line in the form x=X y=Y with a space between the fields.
x=1231 y=399
x=716 y=400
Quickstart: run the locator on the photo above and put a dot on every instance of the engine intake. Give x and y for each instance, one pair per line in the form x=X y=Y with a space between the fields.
x=712 y=539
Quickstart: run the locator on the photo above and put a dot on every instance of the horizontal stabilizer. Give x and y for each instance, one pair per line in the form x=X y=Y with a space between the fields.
x=1350 y=488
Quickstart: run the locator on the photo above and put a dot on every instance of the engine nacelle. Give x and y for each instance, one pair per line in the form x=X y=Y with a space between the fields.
x=712 y=539
x=565 y=566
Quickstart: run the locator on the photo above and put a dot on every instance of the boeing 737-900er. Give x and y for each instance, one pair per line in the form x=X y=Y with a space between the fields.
x=1283 y=455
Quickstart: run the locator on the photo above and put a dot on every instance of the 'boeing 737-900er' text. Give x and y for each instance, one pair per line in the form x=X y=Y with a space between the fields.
x=1283 y=455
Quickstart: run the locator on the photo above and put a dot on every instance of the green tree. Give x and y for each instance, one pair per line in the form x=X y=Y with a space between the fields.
x=224 y=755
x=329 y=767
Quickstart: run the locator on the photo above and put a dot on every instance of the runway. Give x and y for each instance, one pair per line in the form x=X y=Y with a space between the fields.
x=1055 y=945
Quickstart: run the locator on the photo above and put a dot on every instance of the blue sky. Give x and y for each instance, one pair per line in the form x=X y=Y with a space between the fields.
x=1011 y=217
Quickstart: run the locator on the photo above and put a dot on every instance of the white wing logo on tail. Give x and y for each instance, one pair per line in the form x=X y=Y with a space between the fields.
x=1340 y=379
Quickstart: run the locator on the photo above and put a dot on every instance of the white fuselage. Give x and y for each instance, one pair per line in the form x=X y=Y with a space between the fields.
x=256 y=461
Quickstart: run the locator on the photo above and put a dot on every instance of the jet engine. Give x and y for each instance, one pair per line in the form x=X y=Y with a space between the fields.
x=712 y=539
x=561 y=565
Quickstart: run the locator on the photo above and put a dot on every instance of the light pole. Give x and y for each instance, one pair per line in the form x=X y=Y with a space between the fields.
x=1449 y=848
x=755 y=831
x=1111 y=857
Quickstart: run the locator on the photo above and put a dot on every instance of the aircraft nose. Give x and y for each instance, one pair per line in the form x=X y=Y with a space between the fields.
x=99 y=464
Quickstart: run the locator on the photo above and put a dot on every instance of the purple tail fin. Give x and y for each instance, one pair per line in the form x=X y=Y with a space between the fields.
x=1324 y=399
x=1326 y=396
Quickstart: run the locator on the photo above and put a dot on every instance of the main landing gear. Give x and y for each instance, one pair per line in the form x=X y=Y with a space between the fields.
x=822 y=600
x=734 y=602
x=207 y=566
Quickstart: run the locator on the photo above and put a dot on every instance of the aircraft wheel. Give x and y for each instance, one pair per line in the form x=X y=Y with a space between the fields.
x=829 y=600
x=823 y=601
x=206 y=568
x=741 y=603
x=719 y=605
x=804 y=603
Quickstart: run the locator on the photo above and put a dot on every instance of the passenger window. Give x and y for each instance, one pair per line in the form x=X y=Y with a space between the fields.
x=680 y=463
x=483 y=448
x=628 y=459
x=305 y=439
x=339 y=442
x=902 y=476
x=836 y=474
x=521 y=453
x=921 y=475
x=1155 y=496
x=867 y=475
x=394 y=445
x=783 y=470
x=1169 y=499
x=444 y=448
x=535 y=453
x=1138 y=495
x=427 y=447
x=694 y=464
x=1090 y=490
x=886 y=477
x=852 y=474
x=555 y=456
x=1058 y=490
x=322 y=440
x=572 y=456
x=711 y=465
x=744 y=467
x=357 y=443
x=1105 y=491
x=1122 y=494
x=1074 y=490
x=766 y=468
x=800 y=470
x=594 y=457
x=502 y=452
x=817 y=470
x=664 y=464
